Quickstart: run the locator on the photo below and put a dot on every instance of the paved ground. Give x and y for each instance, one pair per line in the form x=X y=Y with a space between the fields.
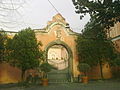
x=99 y=85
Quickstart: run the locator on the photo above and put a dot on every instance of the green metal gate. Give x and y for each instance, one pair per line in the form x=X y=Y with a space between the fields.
x=59 y=76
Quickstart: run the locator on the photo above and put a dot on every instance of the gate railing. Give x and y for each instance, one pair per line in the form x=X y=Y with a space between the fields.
x=59 y=77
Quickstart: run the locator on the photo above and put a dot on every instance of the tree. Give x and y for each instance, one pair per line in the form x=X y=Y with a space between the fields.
x=83 y=67
x=93 y=47
x=24 y=51
x=95 y=52
x=94 y=30
x=3 y=39
x=116 y=61
x=45 y=67
x=106 y=12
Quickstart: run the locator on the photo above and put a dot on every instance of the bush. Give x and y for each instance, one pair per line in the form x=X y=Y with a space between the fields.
x=84 y=67
x=116 y=72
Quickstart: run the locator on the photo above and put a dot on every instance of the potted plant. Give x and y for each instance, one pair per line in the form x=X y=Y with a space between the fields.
x=84 y=67
x=45 y=67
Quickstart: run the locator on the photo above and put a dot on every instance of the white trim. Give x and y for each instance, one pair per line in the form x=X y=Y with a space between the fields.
x=114 y=39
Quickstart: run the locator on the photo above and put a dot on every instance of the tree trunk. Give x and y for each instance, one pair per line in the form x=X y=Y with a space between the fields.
x=22 y=75
x=101 y=71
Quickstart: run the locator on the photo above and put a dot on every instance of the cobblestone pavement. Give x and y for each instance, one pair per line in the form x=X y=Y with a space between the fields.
x=101 y=85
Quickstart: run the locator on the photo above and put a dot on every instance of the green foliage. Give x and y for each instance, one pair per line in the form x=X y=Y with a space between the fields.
x=45 y=67
x=106 y=12
x=93 y=50
x=93 y=46
x=24 y=51
x=84 y=67
x=116 y=61
x=96 y=41
x=116 y=72
x=86 y=49
x=3 y=39
x=94 y=30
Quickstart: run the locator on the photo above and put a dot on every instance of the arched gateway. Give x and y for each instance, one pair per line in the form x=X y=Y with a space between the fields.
x=59 y=54
x=59 y=45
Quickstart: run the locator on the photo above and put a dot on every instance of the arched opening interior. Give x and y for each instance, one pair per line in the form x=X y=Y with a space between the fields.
x=58 y=57
x=59 y=54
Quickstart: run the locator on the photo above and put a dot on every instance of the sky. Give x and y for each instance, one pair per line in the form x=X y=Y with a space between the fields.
x=36 y=14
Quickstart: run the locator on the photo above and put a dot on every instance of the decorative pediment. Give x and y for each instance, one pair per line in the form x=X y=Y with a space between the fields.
x=58 y=19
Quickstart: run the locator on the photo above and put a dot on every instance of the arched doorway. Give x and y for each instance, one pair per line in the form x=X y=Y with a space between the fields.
x=59 y=55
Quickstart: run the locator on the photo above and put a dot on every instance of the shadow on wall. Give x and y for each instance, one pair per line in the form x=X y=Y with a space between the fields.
x=9 y=74
x=94 y=73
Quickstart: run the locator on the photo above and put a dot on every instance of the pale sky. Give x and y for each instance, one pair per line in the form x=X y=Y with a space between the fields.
x=36 y=14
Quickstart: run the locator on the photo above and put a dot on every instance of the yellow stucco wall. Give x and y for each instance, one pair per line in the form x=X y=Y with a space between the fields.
x=94 y=73
x=9 y=74
x=114 y=31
